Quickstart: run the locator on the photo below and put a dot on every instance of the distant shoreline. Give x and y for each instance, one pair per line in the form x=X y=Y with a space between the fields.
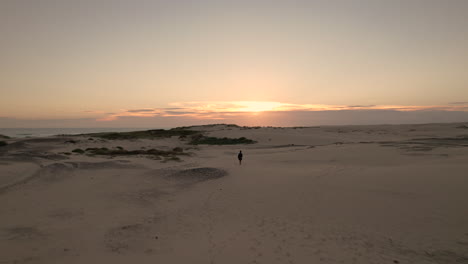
x=47 y=132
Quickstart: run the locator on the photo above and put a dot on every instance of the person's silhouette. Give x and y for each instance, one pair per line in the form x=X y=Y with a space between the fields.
x=239 y=156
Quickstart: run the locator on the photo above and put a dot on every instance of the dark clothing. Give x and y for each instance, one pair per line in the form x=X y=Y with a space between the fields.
x=239 y=156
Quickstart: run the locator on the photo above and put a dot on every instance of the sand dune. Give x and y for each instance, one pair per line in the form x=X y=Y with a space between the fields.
x=350 y=194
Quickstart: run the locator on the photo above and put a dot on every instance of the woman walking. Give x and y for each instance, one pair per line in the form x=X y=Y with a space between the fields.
x=239 y=156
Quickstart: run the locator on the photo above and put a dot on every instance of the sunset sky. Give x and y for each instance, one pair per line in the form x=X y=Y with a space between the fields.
x=150 y=63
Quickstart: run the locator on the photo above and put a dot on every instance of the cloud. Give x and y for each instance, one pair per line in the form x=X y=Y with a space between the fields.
x=459 y=103
x=265 y=118
x=360 y=106
x=140 y=110
x=173 y=108
x=218 y=110
x=180 y=113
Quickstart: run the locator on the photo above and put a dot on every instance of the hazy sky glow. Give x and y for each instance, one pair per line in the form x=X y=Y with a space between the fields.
x=161 y=63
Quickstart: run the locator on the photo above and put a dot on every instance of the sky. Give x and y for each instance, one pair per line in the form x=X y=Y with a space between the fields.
x=150 y=63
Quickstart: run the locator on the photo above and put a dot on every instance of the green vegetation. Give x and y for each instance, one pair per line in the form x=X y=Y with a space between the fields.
x=171 y=158
x=147 y=134
x=154 y=154
x=123 y=152
x=3 y=143
x=202 y=140
x=4 y=137
x=177 y=149
x=79 y=151
x=209 y=125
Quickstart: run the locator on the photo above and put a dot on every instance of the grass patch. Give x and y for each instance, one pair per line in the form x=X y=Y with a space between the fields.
x=171 y=158
x=208 y=126
x=147 y=134
x=3 y=143
x=123 y=152
x=79 y=151
x=202 y=140
x=178 y=149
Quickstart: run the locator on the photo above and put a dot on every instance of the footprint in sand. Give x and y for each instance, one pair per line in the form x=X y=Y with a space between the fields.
x=127 y=238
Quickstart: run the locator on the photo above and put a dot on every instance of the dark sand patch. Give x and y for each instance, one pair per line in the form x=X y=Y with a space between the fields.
x=23 y=151
x=145 y=197
x=22 y=232
x=59 y=171
x=103 y=165
x=50 y=173
x=11 y=147
x=198 y=174
x=447 y=257
x=65 y=214
x=427 y=144
x=54 y=172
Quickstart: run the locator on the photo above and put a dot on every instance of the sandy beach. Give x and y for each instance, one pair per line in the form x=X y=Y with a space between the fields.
x=331 y=194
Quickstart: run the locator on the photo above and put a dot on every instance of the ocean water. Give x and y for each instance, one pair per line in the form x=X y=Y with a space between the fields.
x=45 y=132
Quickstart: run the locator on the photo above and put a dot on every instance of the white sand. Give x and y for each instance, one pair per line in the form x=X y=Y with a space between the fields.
x=354 y=194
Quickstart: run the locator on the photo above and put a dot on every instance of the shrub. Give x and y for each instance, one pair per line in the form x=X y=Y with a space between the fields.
x=123 y=152
x=100 y=151
x=147 y=134
x=178 y=149
x=3 y=143
x=79 y=151
x=202 y=140
x=172 y=158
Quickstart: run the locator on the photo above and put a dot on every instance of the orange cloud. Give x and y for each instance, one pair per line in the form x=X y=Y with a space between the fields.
x=222 y=110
